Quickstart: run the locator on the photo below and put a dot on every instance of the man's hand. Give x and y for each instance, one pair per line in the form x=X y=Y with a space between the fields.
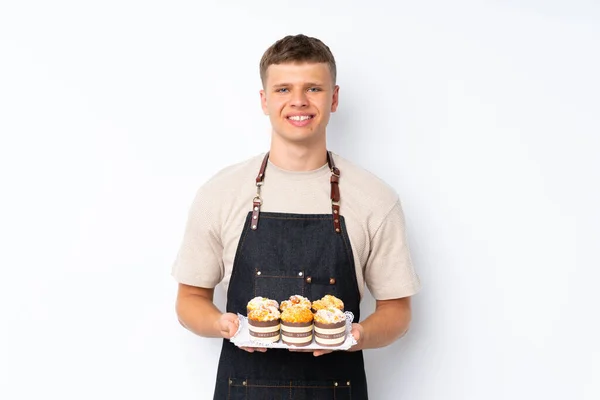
x=357 y=332
x=228 y=325
x=198 y=314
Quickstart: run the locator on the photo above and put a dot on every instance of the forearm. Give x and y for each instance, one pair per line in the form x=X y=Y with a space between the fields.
x=389 y=322
x=199 y=315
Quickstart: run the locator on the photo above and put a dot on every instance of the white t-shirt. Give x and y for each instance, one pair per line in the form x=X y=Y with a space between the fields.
x=372 y=211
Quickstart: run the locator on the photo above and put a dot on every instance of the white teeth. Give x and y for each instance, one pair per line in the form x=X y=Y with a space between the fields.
x=300 y=117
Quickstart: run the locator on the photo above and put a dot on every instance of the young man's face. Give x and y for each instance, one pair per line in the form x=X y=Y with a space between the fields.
x=299 y=98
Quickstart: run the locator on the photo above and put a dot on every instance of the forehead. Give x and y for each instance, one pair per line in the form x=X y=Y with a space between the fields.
x=298 y=73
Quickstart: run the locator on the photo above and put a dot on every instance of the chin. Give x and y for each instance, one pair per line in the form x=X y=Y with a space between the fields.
x=284 y=130
x=298 y=139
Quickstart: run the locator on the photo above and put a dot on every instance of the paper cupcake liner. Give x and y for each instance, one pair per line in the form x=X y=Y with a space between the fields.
x=242 y=338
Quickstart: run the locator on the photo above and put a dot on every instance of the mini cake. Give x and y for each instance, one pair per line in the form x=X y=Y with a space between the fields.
x=296 y=300
x=261 y=302
x=297 y=326
x=328 y=301
x=330 y=327
x=263 y=322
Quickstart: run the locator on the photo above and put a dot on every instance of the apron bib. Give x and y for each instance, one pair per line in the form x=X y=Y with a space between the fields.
x=279 y=255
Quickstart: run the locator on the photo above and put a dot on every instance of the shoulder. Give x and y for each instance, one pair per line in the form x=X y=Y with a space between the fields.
x=223 y=189
x=230 y=178
x=364 y=187
x=238 y=171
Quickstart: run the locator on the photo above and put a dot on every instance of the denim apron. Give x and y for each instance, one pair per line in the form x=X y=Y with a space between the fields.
x=280 y=255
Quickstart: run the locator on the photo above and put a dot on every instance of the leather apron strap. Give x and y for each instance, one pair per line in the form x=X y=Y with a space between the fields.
x=335 y=192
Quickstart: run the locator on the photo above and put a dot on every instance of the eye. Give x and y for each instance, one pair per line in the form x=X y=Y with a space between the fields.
x=314 y=89
x=282 y=90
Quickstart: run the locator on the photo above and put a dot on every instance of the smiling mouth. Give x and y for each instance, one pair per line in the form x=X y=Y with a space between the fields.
x=300 y=117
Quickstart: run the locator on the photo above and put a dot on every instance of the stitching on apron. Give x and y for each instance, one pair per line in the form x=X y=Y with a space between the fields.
x=298 y=218
x=229 y=389
x=275 y=276
x=239 y=247
x=244 y=237
x=291 y=386
x=347 y=247
x=346 y=241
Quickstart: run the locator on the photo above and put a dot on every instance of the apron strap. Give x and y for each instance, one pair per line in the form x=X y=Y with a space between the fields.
x=257 y=201
x=335 y=192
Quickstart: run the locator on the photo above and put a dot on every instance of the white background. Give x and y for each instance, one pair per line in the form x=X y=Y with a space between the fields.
x=484 y=116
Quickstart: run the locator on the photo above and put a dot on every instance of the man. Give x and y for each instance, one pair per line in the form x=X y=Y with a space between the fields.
x=296 y=220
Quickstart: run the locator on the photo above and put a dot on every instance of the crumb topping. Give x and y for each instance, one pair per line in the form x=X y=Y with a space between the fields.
x=297 y=314
x=261 y=302
x=296 y=300
x=269 y=313
x=328 y=301
x=330 y=315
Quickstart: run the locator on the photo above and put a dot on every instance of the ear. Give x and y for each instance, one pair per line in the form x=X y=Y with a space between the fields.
x=263 y=102
x=335 y=98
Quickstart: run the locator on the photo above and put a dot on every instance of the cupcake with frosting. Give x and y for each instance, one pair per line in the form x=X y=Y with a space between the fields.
x=264 y=320
x=296 y=300
x=297 y=325
x=330 y=327
x=327 y=301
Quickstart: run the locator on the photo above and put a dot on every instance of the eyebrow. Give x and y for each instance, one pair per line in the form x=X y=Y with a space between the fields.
x=290 y=84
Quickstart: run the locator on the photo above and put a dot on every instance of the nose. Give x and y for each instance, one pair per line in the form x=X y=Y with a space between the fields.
x=299 y=99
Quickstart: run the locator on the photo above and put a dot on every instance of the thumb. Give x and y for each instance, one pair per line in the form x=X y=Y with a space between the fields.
x=356 y=332
x=230 y=326
x=233 y=326
x=227 y=326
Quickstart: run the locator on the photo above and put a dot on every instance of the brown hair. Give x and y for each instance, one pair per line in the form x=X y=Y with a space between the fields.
x=297 y=49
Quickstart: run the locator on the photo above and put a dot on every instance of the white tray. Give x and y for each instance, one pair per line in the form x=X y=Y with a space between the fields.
x=242 y=338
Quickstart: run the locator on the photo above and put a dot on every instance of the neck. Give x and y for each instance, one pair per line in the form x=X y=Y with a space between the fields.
x=298 y=156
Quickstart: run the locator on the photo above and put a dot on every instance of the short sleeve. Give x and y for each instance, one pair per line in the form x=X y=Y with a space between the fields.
x=199 y=261
x=389 y=272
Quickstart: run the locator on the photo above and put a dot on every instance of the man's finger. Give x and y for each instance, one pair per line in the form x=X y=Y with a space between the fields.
x=318 y=353
x=253 y=349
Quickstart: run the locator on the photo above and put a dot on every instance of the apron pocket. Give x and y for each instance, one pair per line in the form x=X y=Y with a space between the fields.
x=319 y=286
x=261 y=389
x=278 y=284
